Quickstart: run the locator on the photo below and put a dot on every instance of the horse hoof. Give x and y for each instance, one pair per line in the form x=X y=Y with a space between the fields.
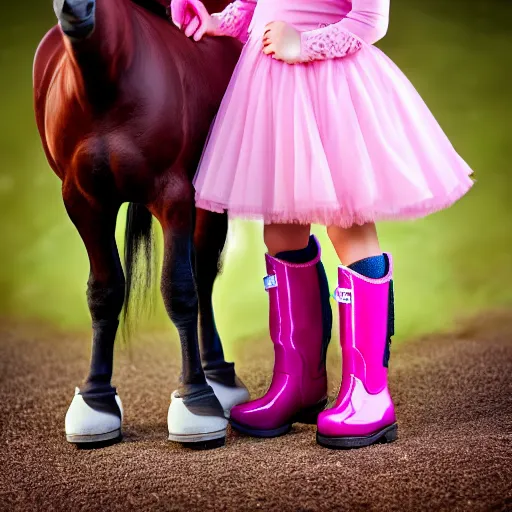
x=229 y=396
x=192 y=429
x=93 y=419
x=95 y=440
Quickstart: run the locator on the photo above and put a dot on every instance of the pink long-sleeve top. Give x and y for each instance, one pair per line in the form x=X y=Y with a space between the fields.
x=365 y=22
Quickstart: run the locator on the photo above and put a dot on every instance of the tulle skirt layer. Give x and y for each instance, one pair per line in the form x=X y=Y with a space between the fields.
x=344 y=141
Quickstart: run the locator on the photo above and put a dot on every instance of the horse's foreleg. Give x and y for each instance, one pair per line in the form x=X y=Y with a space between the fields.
x=96 y=412
x=209 y=239
x=195 y=414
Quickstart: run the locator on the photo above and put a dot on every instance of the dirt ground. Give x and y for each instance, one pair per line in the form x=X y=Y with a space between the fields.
x=454 y=402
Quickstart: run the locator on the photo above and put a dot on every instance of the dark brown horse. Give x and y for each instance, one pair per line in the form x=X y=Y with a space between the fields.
x=124 y=102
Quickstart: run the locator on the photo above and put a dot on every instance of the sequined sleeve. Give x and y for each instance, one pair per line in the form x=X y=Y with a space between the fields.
x=235 y=19
x=366 y=23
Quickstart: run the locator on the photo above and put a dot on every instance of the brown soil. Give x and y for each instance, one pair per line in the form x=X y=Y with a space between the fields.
x=453 y=395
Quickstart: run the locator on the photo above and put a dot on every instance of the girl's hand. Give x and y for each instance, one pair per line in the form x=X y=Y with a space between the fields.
x=192 y=17
x=282 y=42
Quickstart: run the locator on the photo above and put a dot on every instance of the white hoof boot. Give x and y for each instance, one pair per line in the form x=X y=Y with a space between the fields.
x=90 y=422
x=187 y=427
x=229 y=396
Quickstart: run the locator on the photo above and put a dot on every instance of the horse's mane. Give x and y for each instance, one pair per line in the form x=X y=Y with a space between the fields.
x=158 y=7
x=161 y=7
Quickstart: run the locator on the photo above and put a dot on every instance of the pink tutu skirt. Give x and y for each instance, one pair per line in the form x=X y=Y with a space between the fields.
x=336 y=142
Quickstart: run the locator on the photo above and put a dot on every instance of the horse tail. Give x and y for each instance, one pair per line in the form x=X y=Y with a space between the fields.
x=139 y=274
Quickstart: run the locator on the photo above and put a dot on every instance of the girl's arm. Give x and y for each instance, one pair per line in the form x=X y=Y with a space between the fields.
x=235 y=19
x=367 y=22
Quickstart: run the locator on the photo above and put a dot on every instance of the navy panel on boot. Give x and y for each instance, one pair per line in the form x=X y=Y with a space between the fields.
x=374 y=267
x=391 y=323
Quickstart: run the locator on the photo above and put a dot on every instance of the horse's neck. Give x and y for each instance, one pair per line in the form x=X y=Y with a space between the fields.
x=161 y=5
x=99 y=60
x=102 y=57
x=216 y=5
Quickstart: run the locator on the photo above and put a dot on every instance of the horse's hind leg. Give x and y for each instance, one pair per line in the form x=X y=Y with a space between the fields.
x=95 y=414
x=195 y=414
x=209 y=239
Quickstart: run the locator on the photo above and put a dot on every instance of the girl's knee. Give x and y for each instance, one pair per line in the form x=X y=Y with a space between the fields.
x=336 y=234
x=285 y=237
x=354 y=233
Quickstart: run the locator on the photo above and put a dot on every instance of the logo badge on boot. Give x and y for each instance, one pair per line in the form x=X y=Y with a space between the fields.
x=343 y=295
x=270 y=281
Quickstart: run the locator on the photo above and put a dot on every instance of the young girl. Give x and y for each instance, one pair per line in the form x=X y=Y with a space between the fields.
x=319 y=126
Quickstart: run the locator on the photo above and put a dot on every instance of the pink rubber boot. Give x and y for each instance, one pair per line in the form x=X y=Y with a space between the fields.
x=364 y=413
x=300 y=327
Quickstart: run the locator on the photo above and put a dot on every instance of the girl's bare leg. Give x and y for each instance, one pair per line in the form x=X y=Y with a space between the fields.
x=364 y=412
x=354 y=243
x=300 y=324
x=285 y=237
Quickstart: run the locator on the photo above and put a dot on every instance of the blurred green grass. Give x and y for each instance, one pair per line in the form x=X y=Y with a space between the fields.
x=451 y=264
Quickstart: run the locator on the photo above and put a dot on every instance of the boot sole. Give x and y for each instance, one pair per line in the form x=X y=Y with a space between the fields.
x=386 y=435
x=308 y=415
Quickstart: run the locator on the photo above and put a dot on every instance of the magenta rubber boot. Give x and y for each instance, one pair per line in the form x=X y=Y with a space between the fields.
x=300 y=321
x=364 y=412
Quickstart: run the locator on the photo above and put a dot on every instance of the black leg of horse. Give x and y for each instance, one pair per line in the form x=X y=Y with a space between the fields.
x=105 y=291
x=209 y=239
x=181 y=302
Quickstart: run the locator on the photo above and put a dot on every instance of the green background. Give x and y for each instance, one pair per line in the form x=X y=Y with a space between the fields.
x=450 y=265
